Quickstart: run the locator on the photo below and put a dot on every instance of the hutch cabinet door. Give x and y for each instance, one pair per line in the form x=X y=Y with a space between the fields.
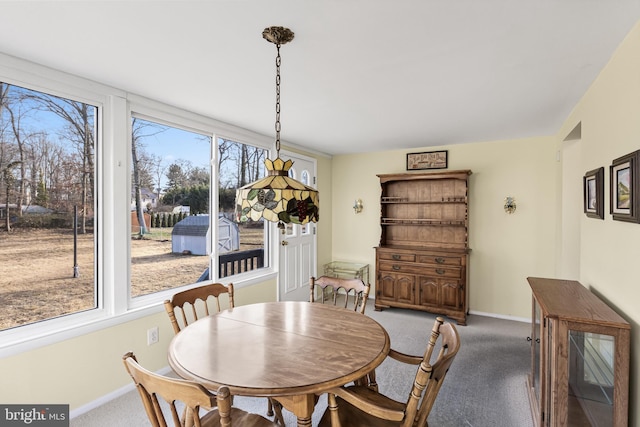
x=451 y=293
x=429 y=292
x=396 y=287
x=437 y=292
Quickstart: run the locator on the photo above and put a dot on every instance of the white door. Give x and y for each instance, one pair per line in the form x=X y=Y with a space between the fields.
x=297 y=258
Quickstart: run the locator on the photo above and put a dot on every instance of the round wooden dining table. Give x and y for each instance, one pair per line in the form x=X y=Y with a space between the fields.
x=291 y=351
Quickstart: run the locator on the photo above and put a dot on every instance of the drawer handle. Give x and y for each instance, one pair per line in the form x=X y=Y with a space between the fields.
x=395 y=256
x=396 y=267
x=440 y=260
x=439 y=271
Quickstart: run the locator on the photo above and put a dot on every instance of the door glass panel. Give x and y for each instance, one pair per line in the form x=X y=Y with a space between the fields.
x=290 y=230
x=304 y=178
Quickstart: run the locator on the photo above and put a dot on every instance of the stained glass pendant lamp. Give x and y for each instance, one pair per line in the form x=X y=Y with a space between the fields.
x=277 y=197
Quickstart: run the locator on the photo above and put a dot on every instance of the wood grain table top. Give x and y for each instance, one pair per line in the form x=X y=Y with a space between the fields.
x=279 y=348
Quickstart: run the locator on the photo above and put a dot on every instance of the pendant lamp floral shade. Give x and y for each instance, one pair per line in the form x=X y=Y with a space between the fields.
x=277 y=197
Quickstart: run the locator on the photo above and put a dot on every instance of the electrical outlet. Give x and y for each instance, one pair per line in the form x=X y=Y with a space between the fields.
x=153 y=335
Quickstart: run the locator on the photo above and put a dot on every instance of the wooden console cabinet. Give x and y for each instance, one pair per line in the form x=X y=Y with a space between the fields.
x=579 y=357
x=422 y=259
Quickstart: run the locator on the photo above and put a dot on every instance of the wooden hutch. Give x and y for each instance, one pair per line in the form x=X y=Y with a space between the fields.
x=422 y=259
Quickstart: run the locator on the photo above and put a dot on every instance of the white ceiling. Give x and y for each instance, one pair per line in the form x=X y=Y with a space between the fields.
x=360 y=75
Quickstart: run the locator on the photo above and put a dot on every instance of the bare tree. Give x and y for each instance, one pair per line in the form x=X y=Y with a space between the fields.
x=80 y=120
x=256 y=160
x=158 y=168
x=9 y=180
x=53 y=160
x=248 y=161
x=4 y=90
x=137 y=190
x=37 y=154
x=141 y=129
x=20 y=137
x=243 y=166
x=225 y=148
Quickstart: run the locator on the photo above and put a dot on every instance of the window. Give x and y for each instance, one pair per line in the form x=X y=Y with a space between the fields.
x=241 y=247
x=69 y=193
x=170 y=182
x=172 y=243
x=48 y=219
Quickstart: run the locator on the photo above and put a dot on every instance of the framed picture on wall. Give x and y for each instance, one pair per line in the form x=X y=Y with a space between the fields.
x=625 y=188
x=593 y=187
x=427 y=160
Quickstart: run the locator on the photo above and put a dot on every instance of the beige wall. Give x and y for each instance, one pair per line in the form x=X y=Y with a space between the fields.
x=609 y=115
x=505 y=248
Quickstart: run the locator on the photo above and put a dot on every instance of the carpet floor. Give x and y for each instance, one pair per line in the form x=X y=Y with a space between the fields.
x=485 y=387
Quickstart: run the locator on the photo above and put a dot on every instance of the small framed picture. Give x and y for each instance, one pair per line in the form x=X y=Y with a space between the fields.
x=427 y=160
x=625 y=188
x=593 y=185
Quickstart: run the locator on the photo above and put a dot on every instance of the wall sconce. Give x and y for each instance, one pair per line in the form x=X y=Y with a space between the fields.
x=510 y=204
x=357 y=206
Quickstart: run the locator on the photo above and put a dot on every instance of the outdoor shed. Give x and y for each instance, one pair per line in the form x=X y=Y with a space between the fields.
x=228 y=235
x=192 y=234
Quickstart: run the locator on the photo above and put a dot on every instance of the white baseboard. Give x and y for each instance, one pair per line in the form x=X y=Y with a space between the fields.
x=110 y=396
x=501 y=316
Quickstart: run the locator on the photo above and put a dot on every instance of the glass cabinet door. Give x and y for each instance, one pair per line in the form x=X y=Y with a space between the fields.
x=536 y=350
x=591 y=379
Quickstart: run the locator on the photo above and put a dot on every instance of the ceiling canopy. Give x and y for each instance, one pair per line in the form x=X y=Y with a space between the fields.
x=362 y=75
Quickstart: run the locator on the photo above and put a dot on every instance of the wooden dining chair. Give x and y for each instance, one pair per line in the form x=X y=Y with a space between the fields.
x=154 y=388
x=352 y=289
x=361 y=406
x=188 y=306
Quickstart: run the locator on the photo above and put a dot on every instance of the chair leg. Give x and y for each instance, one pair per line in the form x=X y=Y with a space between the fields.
x=368 y=380
x=333 y=410
x=371 y=381
x=277 y=408
x=269 y=407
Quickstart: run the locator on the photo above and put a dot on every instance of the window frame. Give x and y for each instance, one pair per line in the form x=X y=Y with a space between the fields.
x=113 y=170
x=170 y=116
x=37 y=78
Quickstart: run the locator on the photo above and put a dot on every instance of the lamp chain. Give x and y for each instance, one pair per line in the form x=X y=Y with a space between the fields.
x=278 y=61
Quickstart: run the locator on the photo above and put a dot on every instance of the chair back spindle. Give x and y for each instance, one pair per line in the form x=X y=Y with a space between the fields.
x=354 y=289
x=188 y=306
